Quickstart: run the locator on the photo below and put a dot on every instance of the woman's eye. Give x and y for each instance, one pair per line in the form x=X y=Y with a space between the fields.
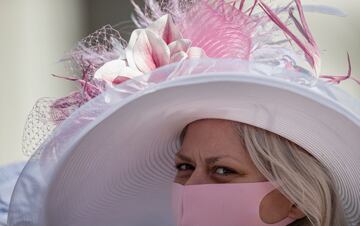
x=223 y=171
x=184 y=167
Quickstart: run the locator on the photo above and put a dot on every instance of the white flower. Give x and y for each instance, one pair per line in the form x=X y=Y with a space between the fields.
x=157 y=45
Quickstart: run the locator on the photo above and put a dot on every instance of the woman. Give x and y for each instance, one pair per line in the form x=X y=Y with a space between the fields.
x=266 y=142
x=220 y=151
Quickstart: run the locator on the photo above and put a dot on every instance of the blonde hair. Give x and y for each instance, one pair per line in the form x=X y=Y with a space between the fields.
x=301 y=177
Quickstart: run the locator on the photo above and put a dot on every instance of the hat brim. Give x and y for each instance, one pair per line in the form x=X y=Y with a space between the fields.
x=130 y=150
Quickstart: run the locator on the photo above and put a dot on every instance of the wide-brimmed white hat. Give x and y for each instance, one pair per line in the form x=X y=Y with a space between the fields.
x=111 y=162
x=102 y=165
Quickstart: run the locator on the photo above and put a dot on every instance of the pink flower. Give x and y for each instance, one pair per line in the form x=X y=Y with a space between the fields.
x=157 y=45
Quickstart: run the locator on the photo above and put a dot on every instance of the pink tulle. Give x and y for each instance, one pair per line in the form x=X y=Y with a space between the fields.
x=91 y=53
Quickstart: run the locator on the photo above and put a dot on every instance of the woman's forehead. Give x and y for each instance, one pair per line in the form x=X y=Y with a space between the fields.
x=214 y=128
x=213 y=137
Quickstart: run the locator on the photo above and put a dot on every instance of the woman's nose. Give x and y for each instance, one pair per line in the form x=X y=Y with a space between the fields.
x=199 y=176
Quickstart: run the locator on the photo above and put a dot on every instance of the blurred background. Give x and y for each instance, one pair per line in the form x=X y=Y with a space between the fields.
x=36 y=34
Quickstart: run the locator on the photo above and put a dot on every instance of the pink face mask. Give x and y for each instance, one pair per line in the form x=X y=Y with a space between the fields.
x=221 y=204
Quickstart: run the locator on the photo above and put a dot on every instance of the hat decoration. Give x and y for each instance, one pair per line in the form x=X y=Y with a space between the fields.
x=176 y=30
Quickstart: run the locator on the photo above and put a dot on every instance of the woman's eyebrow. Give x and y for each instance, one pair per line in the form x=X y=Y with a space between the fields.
x=212 y=160
x=183 y=157
x=209 y=161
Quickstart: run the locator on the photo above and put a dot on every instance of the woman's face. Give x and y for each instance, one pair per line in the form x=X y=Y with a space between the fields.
x=212 y=153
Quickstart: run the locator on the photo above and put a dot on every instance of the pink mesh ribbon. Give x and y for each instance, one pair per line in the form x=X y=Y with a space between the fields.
x=91 y=53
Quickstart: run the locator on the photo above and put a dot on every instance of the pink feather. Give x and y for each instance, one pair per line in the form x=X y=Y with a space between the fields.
x=310 y=48
x=337 y=79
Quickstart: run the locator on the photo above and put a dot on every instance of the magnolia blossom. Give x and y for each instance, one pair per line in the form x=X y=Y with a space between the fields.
x=157 y=45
